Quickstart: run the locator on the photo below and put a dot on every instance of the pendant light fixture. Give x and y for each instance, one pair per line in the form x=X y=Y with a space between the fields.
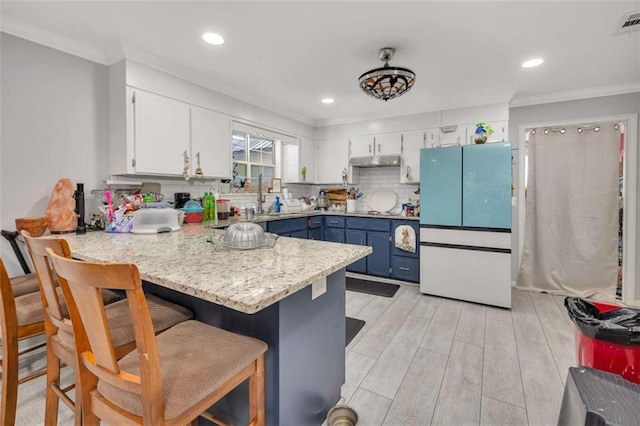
x=387 y=82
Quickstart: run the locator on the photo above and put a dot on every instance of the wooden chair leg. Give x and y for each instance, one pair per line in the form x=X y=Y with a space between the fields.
x=256 y=394
x=53 y=379
x=10 y=367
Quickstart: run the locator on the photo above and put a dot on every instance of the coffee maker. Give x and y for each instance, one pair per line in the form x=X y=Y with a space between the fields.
x=180 y=199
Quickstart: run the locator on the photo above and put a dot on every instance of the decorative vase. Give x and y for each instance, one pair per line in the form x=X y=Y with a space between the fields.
x=480 y=137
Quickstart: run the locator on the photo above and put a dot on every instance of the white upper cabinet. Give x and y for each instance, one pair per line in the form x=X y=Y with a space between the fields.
x=432 y=137
x=500 y=132
x=333 y=158
x=308 y=160
x=412 y=143
x=457 y=137
x=368 y=146
x=211 y=139
x=161 y=134
x=150 y=135
x=388 y=144
x=361 y=146
x=290 y=162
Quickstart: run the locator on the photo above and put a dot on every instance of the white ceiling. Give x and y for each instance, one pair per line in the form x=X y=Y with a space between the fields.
x=287 y=56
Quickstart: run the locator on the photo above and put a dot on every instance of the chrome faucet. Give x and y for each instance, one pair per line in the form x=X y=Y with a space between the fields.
x=261 y=198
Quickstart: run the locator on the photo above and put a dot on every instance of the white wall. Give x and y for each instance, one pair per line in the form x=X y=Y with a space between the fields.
x=570 y=110
x=54 y=125
x=471 y=115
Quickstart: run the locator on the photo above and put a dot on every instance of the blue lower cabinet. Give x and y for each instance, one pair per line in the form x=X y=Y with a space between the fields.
x=299 y=234
x=315 y=234
x=335 y=235
x=359 y=237
x=378 y=262
x=405 y=268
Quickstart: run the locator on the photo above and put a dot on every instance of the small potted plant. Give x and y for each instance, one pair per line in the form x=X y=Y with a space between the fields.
x=483 y=131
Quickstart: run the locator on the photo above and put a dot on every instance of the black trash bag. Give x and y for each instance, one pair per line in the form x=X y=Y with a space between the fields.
x=621 y=326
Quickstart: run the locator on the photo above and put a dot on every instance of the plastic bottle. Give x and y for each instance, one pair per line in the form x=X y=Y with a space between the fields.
x=205 y=204
x=277 y=205
x=212 y=207
x=148 y=198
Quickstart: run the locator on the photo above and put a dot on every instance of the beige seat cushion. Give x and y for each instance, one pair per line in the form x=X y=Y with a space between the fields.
x=24 y=284
x=164 y=315
x=29 y=308
x=196 y=359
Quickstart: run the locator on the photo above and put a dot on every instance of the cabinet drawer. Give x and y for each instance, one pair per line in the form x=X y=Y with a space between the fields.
x=334 y=221
x=368 y=224
x=315 y=222
x=405 y=268
x=287 y=225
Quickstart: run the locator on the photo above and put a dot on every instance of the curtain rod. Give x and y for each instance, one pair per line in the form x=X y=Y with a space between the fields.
x=580 y=129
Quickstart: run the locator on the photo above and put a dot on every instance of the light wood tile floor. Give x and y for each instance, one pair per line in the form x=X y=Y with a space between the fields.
x=423 y=360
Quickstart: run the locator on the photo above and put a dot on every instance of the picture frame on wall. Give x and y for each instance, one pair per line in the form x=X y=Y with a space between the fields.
x=276 y=185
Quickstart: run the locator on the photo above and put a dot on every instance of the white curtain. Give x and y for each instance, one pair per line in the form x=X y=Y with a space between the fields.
x=571 y=213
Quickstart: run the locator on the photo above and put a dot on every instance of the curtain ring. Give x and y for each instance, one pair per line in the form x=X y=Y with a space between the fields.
x=563 y=131
x=616 y=126
x=533 y=132
x=596 y=129
x=546 y=131
x=579 y=129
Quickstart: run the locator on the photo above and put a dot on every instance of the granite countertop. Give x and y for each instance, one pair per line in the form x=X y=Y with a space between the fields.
x=246 y=280
x=281 y=216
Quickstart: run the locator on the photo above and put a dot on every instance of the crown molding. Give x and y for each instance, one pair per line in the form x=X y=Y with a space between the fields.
x=187 y=73
x=572 y=95
x=50 y=39
x=440 y=105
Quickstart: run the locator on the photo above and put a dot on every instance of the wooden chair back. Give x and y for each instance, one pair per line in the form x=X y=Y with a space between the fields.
x=46 y=277
x=8 y=316
x=93 y=341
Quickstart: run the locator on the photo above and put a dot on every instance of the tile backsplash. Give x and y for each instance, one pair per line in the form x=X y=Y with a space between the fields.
x=371 y=179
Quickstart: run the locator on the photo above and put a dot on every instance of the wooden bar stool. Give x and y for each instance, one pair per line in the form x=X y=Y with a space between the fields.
x=21 y=318
x=59 y=330
x=170 y=379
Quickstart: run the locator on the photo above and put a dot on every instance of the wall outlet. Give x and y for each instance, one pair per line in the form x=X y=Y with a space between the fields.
x=318 y=288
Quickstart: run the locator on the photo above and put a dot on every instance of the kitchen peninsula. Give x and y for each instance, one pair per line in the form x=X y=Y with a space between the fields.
x=264 y=293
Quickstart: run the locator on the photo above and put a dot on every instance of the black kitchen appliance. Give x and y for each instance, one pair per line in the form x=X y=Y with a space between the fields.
x=79 y=197
x=180 y=198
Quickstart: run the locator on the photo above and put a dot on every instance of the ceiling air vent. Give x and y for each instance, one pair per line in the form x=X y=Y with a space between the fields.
x=630 y=22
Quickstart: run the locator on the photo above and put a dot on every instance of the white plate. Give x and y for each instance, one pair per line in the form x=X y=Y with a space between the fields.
x=382 y=200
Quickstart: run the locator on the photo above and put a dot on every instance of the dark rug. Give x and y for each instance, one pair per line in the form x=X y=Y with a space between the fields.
x=372 y=287
x=353 y=327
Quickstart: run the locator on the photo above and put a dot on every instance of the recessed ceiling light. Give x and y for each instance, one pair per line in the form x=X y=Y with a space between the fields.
x=212 y=38
x=327 y=101
x=532 y=63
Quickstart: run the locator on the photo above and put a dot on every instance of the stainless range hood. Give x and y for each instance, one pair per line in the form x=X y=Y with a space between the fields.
x=375 y=161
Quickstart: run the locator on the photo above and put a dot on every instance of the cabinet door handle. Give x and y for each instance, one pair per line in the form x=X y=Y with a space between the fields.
x=402 y=268
x=333 y=222
x=379 y=147
x=369 y=148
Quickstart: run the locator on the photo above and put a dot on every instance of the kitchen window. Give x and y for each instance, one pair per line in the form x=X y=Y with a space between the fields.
x=252 y=155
